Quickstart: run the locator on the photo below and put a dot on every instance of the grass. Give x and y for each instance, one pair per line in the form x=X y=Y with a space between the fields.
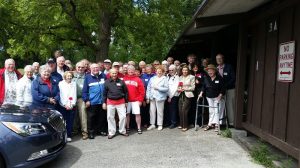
x=226 y=133
x=262 y=155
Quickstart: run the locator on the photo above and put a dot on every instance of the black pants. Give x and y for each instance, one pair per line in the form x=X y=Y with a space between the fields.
x=173 y=110
x=145 y=114
x=96 y=119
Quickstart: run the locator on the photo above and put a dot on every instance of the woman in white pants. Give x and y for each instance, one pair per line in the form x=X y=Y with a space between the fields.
x=214 y=88
x=156 y=94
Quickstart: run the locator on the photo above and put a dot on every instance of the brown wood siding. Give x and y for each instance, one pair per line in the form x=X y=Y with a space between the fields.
x=293 y=128
x=273 y=110
x=251 y=54
x=282 y=89
x=259 y=75
x=269 y=78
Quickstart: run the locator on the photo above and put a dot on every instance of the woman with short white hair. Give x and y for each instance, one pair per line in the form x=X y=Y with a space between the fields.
x=24 y=96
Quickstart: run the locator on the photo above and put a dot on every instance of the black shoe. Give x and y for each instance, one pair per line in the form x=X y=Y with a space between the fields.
x=172 y=126
x=91 y=136
x=110 y=136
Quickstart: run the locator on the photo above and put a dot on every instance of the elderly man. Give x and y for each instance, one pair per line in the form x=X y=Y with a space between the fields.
x=36 y=69
x=228 y=74
x=136 y=94
x=92 y=95
x=116 y=66
x=61 y=66
x=107 y=66
x=56 y=77
x=9 y=77
x=79 y=76
x=115 y=96
x=170 y=60
x=142 y=64
x=191 y=58
x=24 y=96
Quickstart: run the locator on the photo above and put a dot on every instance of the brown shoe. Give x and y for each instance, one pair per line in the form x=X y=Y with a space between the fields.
x=85 y=136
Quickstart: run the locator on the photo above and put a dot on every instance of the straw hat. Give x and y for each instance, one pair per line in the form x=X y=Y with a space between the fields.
x=211 y=66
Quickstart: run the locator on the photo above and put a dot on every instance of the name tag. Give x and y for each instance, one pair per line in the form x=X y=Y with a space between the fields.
x=121 y=78
x=216 y=81
x=146 y=80
x=118 y=84
x=225 y=73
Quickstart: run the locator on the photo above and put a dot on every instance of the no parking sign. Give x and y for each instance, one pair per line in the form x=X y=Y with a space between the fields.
x=286 y=62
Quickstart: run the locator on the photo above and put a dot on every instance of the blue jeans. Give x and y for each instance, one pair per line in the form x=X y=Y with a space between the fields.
x=173 y=110
x=68 y=116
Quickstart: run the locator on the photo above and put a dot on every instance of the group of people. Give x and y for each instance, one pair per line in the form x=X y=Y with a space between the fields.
x=105 y=96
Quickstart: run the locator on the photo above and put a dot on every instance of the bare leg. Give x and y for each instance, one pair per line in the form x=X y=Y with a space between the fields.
x=127 y=120
x=138 y=120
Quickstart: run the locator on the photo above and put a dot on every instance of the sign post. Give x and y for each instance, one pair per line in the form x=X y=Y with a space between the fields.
x=286 y=62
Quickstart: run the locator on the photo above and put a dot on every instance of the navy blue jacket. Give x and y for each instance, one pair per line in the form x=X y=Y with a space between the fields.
x=41 y=92
x=56 y=76
x=229 y=76
x=93 y=88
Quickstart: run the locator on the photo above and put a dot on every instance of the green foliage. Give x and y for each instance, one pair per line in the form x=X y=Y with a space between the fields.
x=140 y=29
x=262 y=155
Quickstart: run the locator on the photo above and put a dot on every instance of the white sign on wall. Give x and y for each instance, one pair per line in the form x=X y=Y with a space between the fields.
x=286 y=62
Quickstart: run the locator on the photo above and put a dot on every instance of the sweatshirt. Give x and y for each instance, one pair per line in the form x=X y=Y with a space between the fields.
x=135 y=87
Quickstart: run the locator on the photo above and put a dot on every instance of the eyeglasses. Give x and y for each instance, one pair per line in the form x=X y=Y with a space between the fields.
x=80 y=67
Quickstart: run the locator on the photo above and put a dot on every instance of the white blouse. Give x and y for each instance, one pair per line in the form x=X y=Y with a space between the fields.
x=68 y=93
x=24 y=96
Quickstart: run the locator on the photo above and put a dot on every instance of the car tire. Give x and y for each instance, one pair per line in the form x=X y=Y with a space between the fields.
x=2 y=165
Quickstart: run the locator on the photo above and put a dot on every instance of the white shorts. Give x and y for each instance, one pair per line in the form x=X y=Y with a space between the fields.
x=134 y=107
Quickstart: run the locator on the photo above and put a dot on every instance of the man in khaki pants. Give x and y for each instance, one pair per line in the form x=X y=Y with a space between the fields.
x=79 y=79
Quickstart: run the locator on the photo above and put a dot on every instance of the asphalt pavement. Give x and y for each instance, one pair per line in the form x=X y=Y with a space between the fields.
x=157 y=149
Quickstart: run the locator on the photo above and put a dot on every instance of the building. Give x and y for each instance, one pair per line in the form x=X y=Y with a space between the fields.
x=262 y=39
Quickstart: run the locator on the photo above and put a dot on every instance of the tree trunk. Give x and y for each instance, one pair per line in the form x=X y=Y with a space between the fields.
x=105 y=33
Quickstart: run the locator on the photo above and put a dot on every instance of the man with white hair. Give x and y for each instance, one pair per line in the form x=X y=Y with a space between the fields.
x=136 y=94
x=36 y=69
x=24 y=96
x=9 y=77
x=61 y=66
x=142 y=64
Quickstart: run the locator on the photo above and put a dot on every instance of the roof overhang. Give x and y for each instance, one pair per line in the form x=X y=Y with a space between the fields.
x=213 y=15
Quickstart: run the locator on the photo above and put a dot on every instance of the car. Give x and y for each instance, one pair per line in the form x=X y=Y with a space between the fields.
x=30 y=136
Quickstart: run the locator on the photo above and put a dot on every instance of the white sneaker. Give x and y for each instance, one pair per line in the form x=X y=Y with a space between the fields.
x=151 y=127
x=69 y=139
x=159 y=128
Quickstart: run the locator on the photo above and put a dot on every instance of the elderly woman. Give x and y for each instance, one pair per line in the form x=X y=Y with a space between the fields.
x=214 y=89
x=157 y=92
x=68 y=98
x=186 y=87
x=24 y=96
x=44 y=90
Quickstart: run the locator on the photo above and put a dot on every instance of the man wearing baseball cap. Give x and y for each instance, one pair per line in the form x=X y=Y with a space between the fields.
x=107 y=66
x=116 y=66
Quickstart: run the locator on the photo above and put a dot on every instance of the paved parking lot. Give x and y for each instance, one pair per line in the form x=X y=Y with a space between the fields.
x=159 y=149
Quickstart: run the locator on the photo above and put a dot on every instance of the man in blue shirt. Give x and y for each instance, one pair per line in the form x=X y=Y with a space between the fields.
x=92 y=95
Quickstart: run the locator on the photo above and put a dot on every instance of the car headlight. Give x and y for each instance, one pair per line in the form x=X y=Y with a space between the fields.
x=26 y=129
